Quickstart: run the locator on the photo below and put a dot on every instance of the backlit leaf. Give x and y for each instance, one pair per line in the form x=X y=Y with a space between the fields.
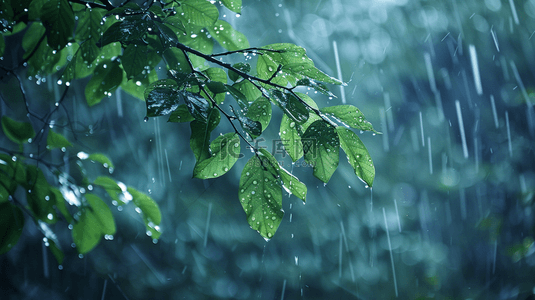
x=260 y=194
x=321 y=148
x=107 y=76
x=200 y=134
x=228 y=37
x=350 y=116
x=18 y=132
x=233 y=5
x=200 y=13
x=357 y=155
x=225 y=150
x=290 y=138
x=56 y=140
x=150 y=212
x=181 y=114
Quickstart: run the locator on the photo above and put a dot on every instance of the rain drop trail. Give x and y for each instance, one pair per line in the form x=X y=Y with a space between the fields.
x=159 y=150
x=461 y=127
x=446 y=77
x=495 y=252
x=180 y=166
x=283 y=289
x=339 y=70
x=475 y=69
x=157 y=274
x=513 y=9
x=104 y=289
x=529 y=111
x=119 y=98
x=508 y=134
x=46 y=272
x=467 y=88
x=344 y=235
x=430 y=155
x=493 y=33
x=440 y=109
x=430 y=74
x=462 y=198
x=168 y=168
x=384 y=129
x=476 y=154
x=340 y=258
x=494 y=113
x=391 y=255
x=397 y=214
x=207 y=224
x=389 y=115
x=422 y=129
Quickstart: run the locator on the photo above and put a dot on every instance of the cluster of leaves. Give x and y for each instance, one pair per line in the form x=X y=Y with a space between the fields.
x=122 y=47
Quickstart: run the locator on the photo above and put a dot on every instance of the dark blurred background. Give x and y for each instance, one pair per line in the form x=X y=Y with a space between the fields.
x=450 y=215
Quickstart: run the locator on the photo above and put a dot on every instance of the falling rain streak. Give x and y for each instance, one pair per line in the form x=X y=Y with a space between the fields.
x=509 y=143
x=391 y=255
x=475 y=70
x=461 y=128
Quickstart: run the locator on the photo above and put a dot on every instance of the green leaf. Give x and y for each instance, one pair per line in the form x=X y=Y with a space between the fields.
x=101 y=158
x=295 y=65
x=150 y=210
x=233 y=5
x=12 y=173
x=253 y=128
x=218 y=79
x=357 y=155
x=199 y=41
x=94 y=221
x=260 y=195
x=291 y=184
x=181 y=115
x=39 y=196
x=137 y=86
x=124 y=10
x=244 y=67
x=58 y=18
x=197 y=106
x=56 y=140
x=18 y=132
x=113 y=189
x=166 y=34
x=350 y=116
x=61 y=204
x=135 y=59
x=321 y=147
x=162 y=97
x=247 y=89
x=11 y=225
x=228 y=37
x=291 y=138
x=225 y=150
x=32 y=37
x=56 y=251
x=131 y=29
x=89 y=25
x=291 y=105
x=318 y=86
x=176 y=60
x=260 y=110
x=198 y=12
x=106 y=78
x=200 y=134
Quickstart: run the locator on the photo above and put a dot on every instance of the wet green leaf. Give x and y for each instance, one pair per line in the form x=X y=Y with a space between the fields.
x=58 y=18
x=295 y=65
x=200 y=13
x=233 y=5
x=291 y=106
x=181 y=115
x=89 y=27
x=101 y=158
x=18 y=132
x=357 y=155
x=61 y=204
x=290 y=138
x=260 y=194
x=198 y=106
x=228 y=37
x=12 y=173
x=318 y=86
x=11 y=225
x=137 y=86
x=349 y=115
x=321 y=147
x=260 y=110
x=225 y=150
x=135 y=59
x=94 y=221
x=107 y=76
x=112 y=188
x=244 y=67
x=39 y=196
x=56 y=140
x=200 y=134
x=291 y=184
x=131 y=29
x=150 y=211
